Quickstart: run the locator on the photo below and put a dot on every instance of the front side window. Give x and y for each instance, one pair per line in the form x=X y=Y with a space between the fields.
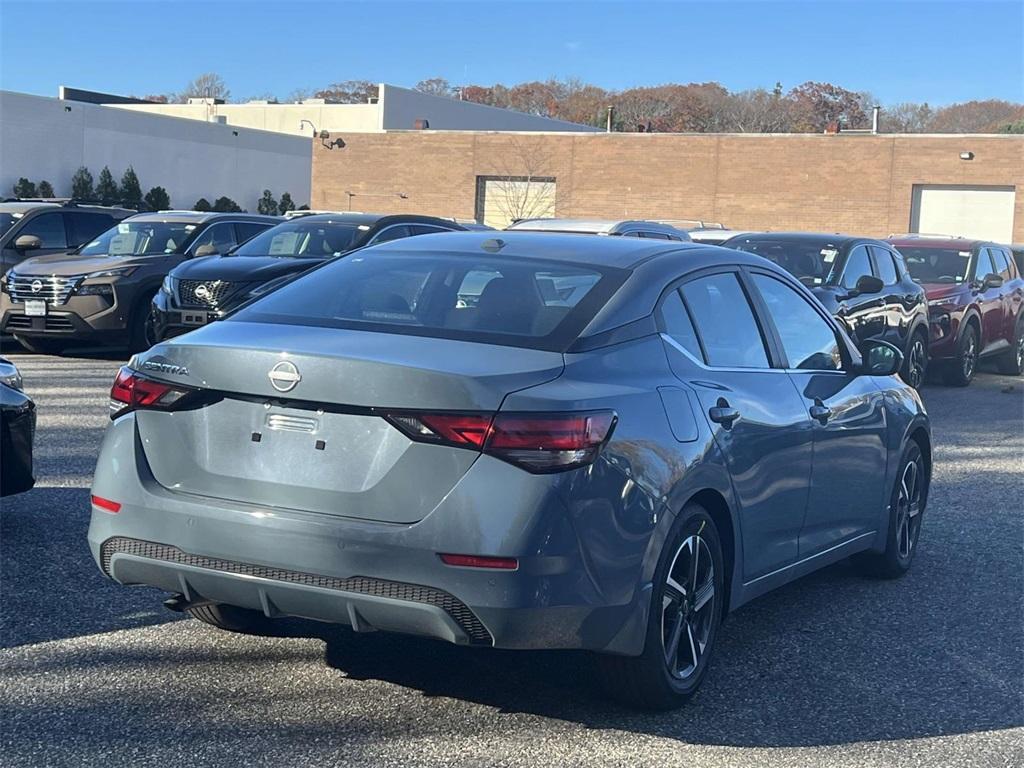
x=519 y=302
x=811 y=263
x=983 y=266
x=221 y=236
x=426 y=229
x=392 y=233
x=85 y=226
x=807 y=339
x=936 y=265
x=49 y=227
x=301 y=238
x=725 y=322
x=857 y=265
x=142 y=238
x=248 y=229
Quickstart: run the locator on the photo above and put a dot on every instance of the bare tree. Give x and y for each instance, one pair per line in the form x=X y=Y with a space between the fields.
x=207 y=86
x=906 y=117
x=349 y=92
x=527 y=186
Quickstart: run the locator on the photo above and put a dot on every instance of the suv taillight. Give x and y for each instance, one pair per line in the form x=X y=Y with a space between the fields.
x=537 y=442
x=132 y=392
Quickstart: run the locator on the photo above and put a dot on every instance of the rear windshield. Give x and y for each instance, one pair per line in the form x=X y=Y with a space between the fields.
x=936 y=265
x=301 y=239
x=811 y=263
x=515 y=302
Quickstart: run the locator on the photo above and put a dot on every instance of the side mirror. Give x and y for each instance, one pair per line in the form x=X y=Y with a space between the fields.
x=27 y=243
x=868 y=284
x=992 y=280
x=206 y=250
x=880 y=358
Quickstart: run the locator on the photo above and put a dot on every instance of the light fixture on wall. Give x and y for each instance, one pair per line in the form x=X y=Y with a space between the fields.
x=966 y=155
x=337 y=143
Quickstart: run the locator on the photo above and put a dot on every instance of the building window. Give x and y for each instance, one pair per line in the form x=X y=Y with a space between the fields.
x=500 y=200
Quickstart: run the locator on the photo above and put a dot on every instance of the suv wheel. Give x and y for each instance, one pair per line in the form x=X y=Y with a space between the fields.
x=962 y=369
x=138 y=325
x=1011 y=362
x=916 y=363
x=42 y=346
x=683 y=621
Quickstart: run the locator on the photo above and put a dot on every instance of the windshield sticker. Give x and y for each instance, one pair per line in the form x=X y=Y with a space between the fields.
x=829 y=254
x=124 y=228
x=965 y=254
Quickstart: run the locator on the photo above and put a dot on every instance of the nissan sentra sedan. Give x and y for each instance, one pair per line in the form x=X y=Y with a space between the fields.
x=523 y=441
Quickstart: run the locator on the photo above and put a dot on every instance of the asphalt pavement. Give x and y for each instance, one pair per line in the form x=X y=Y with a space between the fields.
x=833 y=670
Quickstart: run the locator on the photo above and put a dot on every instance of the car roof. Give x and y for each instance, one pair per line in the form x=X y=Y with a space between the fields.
x=614 y=252
x=586 y=226
x=937 y=241
x=23 y=207
x=369 y=219
x=200 y=217
x=833 y=239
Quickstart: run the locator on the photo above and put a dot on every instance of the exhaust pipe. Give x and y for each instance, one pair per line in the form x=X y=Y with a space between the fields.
x=180 y=603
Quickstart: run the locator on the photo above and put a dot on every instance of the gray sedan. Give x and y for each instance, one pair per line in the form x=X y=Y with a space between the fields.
x=521 y=441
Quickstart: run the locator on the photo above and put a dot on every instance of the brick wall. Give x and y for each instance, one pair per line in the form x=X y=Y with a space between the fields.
x=856 y=184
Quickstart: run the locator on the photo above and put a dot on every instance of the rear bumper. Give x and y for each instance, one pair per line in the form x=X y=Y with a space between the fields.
x=371 y=575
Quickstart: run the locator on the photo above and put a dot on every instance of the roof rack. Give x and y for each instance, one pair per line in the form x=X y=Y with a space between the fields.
x=936 y=235
x=693 y=223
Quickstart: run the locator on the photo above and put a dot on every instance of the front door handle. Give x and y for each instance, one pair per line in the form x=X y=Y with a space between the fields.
x=821 y=413
x=723 y=413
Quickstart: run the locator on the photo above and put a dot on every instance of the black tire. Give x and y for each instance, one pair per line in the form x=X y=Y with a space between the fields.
x=231 y=618
x=1011 y=362
x=42 y=346
x=961 y=370
x=645 y=681
x=915 y=363
x=904 y=519
x=139 y=325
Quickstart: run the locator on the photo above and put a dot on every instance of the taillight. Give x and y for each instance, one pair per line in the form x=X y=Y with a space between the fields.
x=537 y=442
x=131 y=392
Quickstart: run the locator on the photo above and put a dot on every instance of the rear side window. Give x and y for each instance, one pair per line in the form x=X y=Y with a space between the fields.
x=679 y=326
x=517 y=302
x=1001 y=262
x=725 y=322
x=885 y=265
x=392 y=233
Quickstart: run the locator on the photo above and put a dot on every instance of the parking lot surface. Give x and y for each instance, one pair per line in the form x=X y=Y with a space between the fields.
x=833 y=670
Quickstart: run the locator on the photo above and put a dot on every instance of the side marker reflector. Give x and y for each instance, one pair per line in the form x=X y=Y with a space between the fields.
x=106 y=504
x=478 y=561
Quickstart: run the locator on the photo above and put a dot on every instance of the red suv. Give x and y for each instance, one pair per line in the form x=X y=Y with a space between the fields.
x=975 y=302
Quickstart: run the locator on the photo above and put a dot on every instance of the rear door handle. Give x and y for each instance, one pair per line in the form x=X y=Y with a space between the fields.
x=723 y=413
x=821 y=413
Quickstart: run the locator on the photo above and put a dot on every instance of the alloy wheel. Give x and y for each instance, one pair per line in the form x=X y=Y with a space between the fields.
x=918 y=355
x=969 y=358
x=908 y=509
x=687 y=606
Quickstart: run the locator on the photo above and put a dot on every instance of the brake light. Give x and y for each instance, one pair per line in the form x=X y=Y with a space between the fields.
x=480 y=561
x=131 y=391
x=537 y=442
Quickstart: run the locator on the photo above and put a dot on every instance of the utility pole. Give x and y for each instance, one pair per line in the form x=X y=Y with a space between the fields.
x=611 y=114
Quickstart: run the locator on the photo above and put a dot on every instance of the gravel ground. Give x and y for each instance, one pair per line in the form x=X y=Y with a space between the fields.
x=834 y=670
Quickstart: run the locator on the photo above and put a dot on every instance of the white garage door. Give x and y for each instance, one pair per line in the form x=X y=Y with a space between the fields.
x=985 y=213
x=503 y=200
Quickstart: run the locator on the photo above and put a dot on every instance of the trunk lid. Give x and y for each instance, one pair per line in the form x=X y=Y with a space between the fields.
x=323 y=445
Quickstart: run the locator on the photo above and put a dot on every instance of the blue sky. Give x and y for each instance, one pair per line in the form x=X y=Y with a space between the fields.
x=939 y=52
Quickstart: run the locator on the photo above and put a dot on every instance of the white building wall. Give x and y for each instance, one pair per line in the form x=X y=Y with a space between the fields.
x=281 y=118
x=45 y=138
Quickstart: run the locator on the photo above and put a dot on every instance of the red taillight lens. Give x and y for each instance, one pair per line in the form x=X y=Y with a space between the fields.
x=106 y=504
x=537 y=442
x=479 y=561
x=132 y=391
x=549 y=442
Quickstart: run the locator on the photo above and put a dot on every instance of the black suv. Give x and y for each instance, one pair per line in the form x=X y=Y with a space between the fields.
x=101 y=292
x=202 y=290
x=37 y=227
x=863 y=282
